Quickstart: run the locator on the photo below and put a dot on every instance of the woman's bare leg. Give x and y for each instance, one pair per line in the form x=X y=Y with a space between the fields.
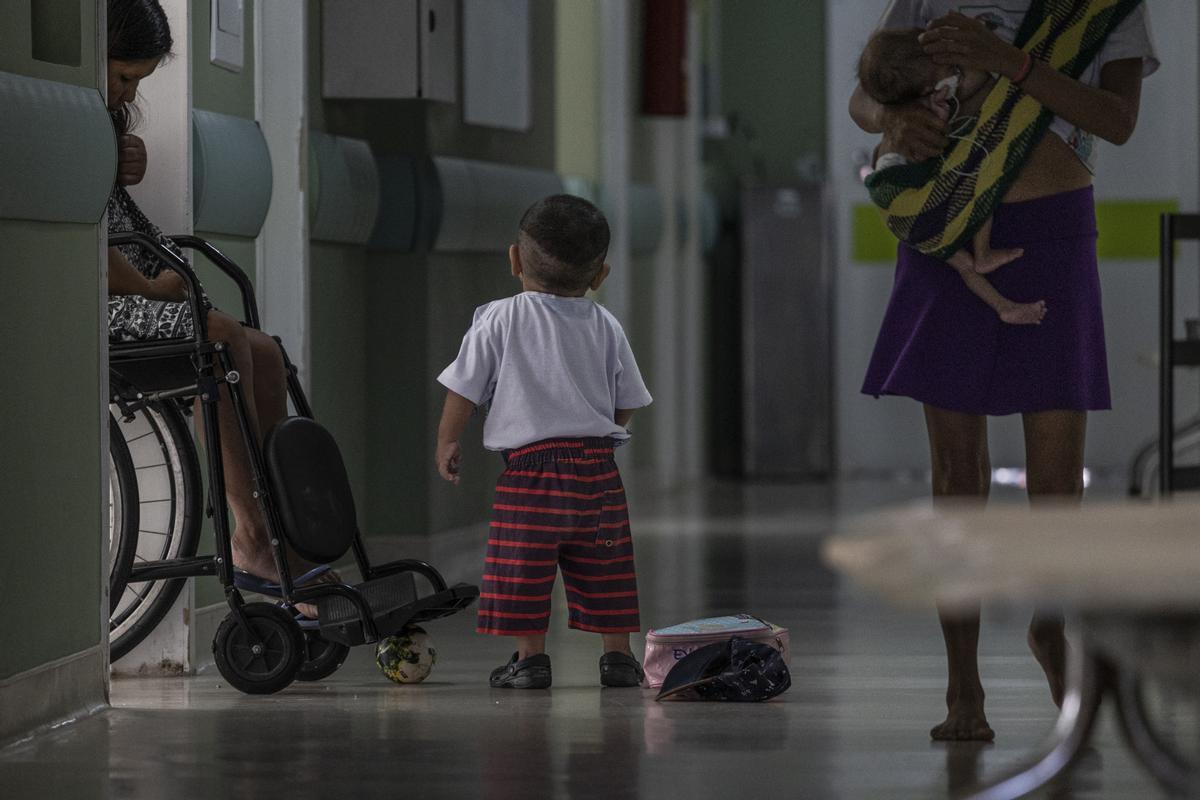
x=1054 y=446
x=270 y=380
x=251 y=544
x=958 y=450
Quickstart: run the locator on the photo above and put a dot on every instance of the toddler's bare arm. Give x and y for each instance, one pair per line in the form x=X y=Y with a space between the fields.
x=455 y=414
x=623 y=416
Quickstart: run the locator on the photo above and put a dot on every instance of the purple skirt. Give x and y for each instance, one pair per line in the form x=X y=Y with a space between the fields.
x=941 y=345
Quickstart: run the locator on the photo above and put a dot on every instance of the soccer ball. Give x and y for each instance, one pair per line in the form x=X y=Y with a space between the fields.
x=407 y=657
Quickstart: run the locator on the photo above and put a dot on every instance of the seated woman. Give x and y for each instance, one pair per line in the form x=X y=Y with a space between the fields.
x=147 y=301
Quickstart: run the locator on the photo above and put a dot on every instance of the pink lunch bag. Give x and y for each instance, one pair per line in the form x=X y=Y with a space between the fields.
x=665 y=646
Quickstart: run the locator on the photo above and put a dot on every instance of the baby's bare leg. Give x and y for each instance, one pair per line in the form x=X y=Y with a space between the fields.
x=989 y=260
x=962 y=261
x=1010 y=312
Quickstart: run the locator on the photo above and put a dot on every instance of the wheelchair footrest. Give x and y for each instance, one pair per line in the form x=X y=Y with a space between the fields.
x=394 y=604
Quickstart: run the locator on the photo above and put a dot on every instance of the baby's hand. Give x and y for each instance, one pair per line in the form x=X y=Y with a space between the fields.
x=449 y=460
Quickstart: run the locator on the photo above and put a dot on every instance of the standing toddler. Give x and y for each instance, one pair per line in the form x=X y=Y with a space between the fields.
x=562 y=384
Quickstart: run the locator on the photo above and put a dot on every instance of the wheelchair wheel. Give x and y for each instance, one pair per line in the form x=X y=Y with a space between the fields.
x=164 y=459
x=122 y=513
x=265 y=663
x=322 y=657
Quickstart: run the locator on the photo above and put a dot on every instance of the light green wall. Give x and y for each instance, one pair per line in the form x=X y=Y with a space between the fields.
x=218 y=89
x=773 y=78
x=577 y=88
x=384 y=324
x=16 y=41
x=50 y=548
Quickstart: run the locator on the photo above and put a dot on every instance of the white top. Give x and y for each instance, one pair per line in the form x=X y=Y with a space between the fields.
x=1130 y=39
x=550 y=366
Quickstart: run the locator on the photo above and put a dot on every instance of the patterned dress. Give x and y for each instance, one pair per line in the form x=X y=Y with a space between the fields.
x=131 y=317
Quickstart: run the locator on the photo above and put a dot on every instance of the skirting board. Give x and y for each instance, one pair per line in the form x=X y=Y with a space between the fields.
x=205 y=622
x=61 y=691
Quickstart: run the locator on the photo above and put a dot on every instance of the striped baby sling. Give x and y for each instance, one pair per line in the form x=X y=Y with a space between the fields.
x=937 y=205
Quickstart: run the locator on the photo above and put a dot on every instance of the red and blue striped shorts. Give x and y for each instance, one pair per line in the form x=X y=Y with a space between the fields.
x=559 y=504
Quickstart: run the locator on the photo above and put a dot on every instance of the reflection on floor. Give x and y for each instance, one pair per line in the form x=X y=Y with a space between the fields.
x=867 y=685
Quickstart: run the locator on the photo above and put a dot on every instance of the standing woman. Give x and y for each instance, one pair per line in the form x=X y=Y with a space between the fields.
x=943 y=347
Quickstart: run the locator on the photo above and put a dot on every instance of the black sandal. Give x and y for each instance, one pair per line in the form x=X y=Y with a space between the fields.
x=620 y=671
x=529 y=673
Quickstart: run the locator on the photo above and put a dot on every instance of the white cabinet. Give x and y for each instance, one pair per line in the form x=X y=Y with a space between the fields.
x=393 y=49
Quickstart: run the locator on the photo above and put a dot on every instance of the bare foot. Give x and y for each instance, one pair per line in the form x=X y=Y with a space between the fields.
x=1049 y=647
x=992 y=260
x=1024 y=313
x=261 y=563
x=964 y=723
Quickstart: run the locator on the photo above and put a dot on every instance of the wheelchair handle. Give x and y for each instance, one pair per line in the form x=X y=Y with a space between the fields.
x=176 y=264
x=230 y=268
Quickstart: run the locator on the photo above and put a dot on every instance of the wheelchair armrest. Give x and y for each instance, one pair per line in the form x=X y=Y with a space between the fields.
x=226 y=265
x=173 y=262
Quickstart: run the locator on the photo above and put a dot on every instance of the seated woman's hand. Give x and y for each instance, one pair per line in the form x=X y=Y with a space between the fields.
x=168 y=286
x=131 y=159
x=916 y=131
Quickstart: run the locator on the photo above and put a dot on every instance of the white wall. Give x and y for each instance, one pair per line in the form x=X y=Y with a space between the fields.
x=1159 y=163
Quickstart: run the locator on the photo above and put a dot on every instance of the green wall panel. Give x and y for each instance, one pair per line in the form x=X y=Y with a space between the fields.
x=383 y=326
x=55 y=19
x=339 y=350
x=216 y=88
x=773 y=79
x=50 y=442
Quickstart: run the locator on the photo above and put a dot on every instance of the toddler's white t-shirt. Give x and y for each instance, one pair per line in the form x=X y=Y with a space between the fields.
x=1130 y=39
x=550 y=366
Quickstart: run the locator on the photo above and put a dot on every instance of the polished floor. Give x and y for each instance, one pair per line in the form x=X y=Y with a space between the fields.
x=867 y=685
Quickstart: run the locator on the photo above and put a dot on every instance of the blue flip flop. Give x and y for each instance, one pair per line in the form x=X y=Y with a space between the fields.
x=253 y=583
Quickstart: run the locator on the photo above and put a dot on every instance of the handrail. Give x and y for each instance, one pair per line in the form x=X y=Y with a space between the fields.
x=174 y=262
x=230 y=268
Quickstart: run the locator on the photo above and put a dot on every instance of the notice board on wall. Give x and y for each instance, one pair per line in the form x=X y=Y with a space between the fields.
x=497 y=75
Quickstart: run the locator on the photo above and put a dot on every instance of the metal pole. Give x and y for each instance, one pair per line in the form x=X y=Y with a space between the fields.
x=1166 y=365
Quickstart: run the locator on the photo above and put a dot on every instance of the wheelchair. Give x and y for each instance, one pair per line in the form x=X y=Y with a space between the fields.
x=299 y=481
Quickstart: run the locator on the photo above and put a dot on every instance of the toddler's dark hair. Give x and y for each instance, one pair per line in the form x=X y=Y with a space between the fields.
x=563 y=242
x=893 y=67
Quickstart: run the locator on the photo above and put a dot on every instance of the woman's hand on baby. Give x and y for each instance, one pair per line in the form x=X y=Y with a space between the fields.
x=449 y=460
x=916 y=132
x=131 y=160
x=956 y=39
